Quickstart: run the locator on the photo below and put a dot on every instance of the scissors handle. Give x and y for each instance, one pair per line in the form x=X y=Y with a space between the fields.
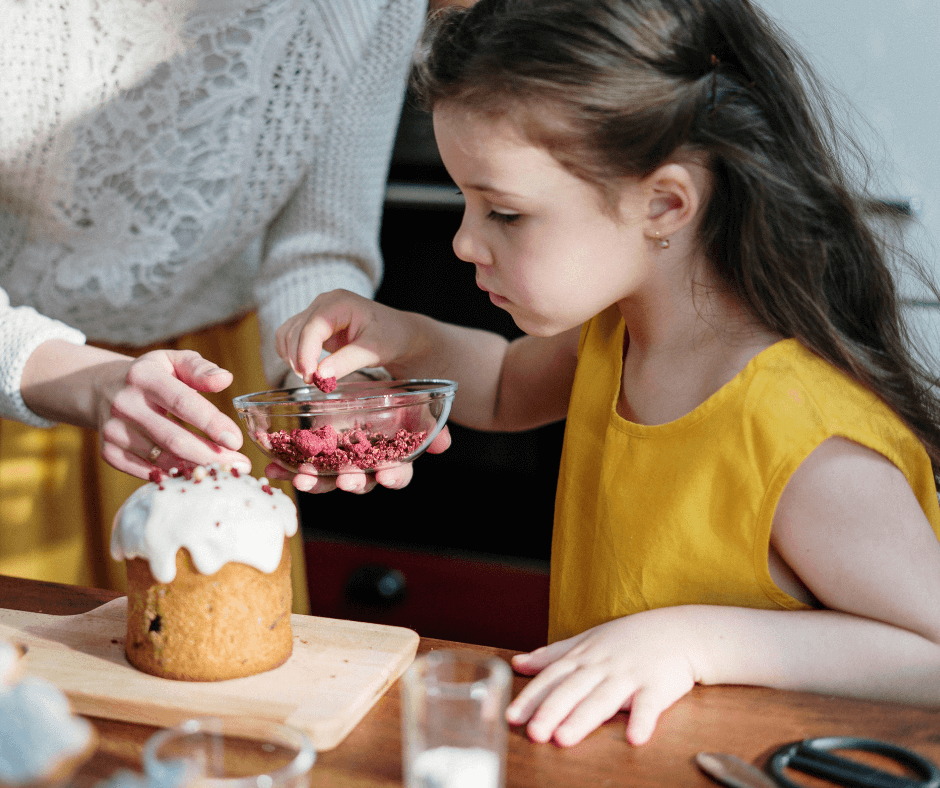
x=814 y=756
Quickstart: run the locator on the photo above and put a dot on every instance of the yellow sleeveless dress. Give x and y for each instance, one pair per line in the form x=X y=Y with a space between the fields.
x=58 y=498
x=650 y=516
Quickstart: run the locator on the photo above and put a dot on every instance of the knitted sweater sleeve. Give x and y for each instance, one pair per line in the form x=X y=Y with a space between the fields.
x=22 y=330
x=327 y=235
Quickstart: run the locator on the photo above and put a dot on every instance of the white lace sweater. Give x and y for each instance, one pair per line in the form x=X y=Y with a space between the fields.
x=166 y=165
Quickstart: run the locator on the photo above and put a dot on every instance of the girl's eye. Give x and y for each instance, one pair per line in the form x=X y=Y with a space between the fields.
x=503 y=218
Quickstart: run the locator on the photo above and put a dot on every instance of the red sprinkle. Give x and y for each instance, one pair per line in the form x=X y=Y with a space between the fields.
x=235 y=473
x=326 y=385
x=155 y=475
x=267 y=488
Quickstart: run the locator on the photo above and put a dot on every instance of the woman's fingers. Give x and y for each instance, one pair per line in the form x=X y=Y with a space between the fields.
x=160 y=377
x=123 y=459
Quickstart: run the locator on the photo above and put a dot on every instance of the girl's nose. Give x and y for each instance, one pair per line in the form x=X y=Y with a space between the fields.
x=468 y=245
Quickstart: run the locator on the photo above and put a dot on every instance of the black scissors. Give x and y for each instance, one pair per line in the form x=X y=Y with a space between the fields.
x=816 y=757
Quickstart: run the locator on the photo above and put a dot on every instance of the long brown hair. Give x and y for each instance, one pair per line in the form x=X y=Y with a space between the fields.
x=615 y=88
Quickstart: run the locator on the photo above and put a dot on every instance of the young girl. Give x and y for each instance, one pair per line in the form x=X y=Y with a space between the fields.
x=748 y=489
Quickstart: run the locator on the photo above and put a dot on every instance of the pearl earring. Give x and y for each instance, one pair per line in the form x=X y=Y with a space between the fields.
x=663 y=242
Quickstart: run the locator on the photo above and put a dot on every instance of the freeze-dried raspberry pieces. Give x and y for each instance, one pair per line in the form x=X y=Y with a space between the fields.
x=326 y=385
x=314 y=442
x=326 y=450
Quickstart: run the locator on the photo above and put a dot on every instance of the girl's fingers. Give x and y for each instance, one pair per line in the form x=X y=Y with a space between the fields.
x=532 y=694
x=395 y=478
x=355 y=482
x=352 y=481
x=304 y=482
x=534 y=661
x=645 y=709
x=277 y=473
x=346 y=360
x=309 y=481
x=604 y=700
x=441 y=442
x=337 y=316
x=561 y=701
x=305 y=349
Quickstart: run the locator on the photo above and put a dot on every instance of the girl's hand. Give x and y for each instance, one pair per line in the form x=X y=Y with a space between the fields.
x=355 y=481
x=356 y=331
x=641 y=663
x=143 y=406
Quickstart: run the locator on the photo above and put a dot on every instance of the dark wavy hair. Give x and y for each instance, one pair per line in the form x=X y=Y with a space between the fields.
x=616 y=88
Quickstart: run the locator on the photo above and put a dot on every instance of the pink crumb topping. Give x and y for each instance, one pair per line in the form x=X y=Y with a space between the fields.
x=326 y=385
x=328 y=450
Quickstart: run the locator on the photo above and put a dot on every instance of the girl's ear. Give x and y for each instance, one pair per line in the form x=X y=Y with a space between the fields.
x=674 y=193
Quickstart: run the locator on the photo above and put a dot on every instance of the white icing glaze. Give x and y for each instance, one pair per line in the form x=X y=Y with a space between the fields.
x=218 y=516
x=37 y=730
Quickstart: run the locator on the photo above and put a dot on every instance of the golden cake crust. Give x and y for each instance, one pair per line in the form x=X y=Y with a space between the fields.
x=198 y=627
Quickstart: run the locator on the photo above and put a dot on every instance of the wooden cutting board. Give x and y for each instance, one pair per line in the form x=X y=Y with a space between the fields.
x=337 y=671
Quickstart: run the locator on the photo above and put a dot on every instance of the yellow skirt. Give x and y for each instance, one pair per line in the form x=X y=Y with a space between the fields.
x=58 y=497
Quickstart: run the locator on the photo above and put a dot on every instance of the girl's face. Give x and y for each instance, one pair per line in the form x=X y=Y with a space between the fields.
x=546 y=247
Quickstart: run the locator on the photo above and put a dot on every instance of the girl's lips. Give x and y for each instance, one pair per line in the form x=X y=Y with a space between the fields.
x=498 y=300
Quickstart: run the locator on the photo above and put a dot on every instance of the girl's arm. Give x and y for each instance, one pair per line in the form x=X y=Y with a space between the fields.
x=502 y=385
x=851 y=529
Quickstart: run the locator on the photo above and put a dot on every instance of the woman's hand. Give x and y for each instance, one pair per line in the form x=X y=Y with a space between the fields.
x=141 y=407
x=144 y=406
x=641 y=663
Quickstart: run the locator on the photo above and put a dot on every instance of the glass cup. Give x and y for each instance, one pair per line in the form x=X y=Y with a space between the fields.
x=230 y=753
x=454 y=727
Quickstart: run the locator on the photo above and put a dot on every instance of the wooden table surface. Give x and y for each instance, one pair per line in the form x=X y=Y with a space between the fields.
x=749 y=722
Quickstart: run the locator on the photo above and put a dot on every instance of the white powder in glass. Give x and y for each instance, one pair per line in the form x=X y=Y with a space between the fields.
x=455 y=767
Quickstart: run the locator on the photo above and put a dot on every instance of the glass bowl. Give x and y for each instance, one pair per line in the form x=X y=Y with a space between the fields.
x=360 y=426
x=230 y=753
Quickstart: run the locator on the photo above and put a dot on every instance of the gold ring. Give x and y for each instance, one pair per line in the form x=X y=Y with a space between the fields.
x=154 y=453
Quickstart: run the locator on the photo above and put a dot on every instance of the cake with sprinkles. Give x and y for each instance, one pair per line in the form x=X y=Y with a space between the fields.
x=208 y=574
